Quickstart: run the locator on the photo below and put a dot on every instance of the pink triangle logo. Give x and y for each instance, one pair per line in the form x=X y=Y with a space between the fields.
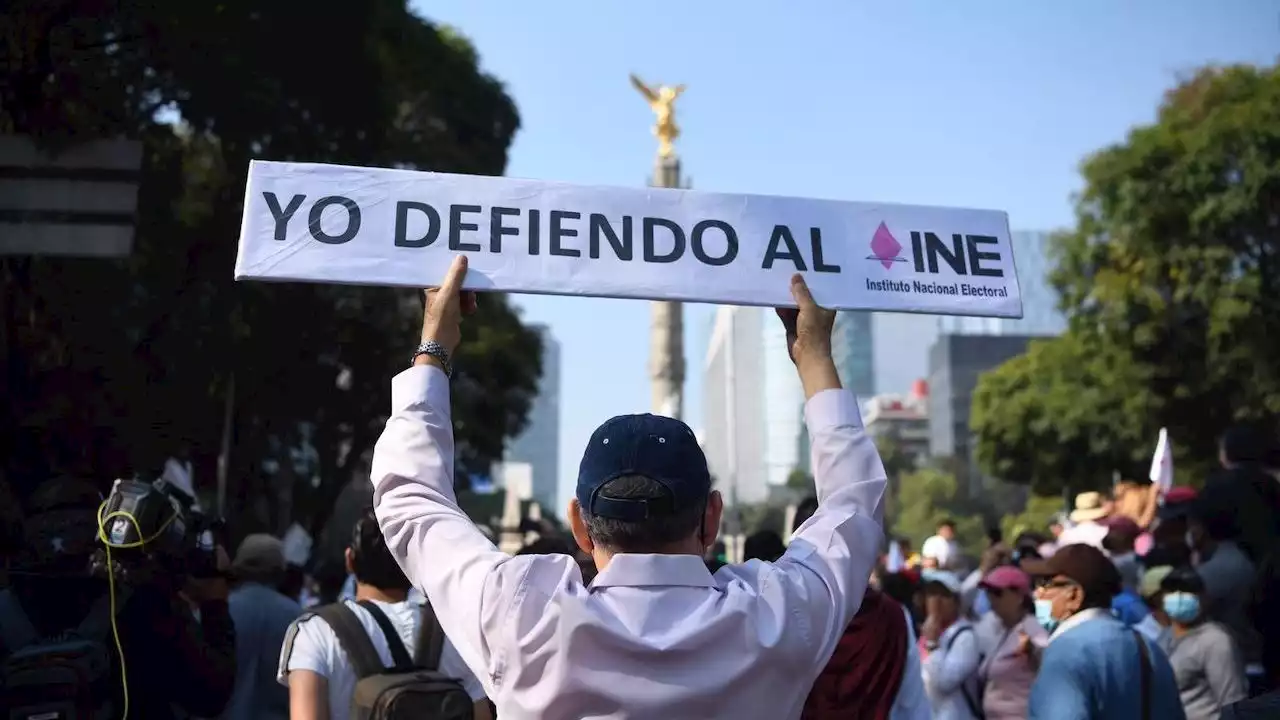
x=885 y=247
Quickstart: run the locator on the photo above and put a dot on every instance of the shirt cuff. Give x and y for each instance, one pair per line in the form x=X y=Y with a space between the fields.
x=832 y=408
x=418 y=383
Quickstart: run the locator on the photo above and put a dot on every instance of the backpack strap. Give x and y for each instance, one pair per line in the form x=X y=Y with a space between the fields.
x=430 y=640
x=975 y=708
x=16 y=630
x=399 y=655
x=1144 y=658
x=352 y=637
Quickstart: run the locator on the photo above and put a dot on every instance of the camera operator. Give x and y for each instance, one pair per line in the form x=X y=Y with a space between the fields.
x=134 y=646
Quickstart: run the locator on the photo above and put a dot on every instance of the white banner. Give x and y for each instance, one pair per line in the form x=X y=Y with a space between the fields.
x=369 y=226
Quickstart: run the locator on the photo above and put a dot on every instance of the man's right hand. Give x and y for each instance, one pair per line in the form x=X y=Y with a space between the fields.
x=808 y=329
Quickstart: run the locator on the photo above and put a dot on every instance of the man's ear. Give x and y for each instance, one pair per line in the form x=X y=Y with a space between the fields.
x=349 y=557
x=711 y=519
x=579 y=527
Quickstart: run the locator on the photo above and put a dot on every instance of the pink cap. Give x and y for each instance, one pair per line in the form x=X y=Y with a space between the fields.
x=1008 y=577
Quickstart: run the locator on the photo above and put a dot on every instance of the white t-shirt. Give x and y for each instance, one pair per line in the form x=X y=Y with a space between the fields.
x=316 y=649
x=941 y=549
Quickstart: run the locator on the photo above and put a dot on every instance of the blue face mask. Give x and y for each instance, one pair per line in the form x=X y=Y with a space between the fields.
x=1044 y=615
x=1182 y=607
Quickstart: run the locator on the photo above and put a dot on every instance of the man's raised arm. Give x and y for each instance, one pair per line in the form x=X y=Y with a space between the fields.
x=436 y=544
x=834 y=551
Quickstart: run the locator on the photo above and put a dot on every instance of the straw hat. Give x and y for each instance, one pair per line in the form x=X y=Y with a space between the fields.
x=1089 y=506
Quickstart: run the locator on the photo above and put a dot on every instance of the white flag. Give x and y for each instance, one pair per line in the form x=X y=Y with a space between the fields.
x=1162 y=463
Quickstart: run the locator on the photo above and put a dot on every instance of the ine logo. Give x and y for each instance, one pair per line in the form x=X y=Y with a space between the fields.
x=885 y=247
x=965 y=254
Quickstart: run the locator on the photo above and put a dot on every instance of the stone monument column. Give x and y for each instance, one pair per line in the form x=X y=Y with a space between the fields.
x=666 y=325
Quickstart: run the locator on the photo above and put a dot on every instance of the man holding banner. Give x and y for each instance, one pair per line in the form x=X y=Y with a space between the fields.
x=656 y=635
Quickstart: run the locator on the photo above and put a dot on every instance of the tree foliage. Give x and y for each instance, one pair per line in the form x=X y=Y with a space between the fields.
x=1036 y=517
x=110 y=366
x=1171 y=281
x=926 y=498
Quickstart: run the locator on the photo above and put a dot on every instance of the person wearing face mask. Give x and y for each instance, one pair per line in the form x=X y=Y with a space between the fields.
x=1228 y=574
x=1156 y=624
x=1206 y=662
x=1094 y=666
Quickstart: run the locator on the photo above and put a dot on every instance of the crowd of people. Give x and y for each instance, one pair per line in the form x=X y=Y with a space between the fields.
x=1138 y=604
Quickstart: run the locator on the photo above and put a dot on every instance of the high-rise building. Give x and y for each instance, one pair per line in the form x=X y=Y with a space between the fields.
x=539 y=444
x=956 y=364
x=901 y=342
x=900 y=345
x=852 y=350
x=752 y=404
x=1040 y=313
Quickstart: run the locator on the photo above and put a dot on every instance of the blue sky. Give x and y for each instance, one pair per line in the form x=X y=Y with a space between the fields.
x=981 y=103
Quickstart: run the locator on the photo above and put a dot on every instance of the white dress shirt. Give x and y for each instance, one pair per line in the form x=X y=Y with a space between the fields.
x=655 y=636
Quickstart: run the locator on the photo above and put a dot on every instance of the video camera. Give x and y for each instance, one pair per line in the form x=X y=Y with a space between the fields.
x=150 y=528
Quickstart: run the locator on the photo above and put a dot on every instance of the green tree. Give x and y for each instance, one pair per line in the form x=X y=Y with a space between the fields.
x=110 y=366
x=1171 y=280
x=800 y=480
x=1064 y=414
x=1035 y=517
x=927 y=497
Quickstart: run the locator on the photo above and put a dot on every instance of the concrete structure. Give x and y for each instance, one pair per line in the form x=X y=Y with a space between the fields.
x=516 y=480
x=666 y=329
x=752 y=406
x=852 y=347
x=955 y=364
x=538 y=445
x=904 y=419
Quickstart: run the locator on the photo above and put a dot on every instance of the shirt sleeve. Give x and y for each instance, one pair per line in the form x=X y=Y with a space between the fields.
x=1058 y=692
x=830 y=556
x=948 y=667
x=311 y=649
x=1224 y=670
x=433 y=540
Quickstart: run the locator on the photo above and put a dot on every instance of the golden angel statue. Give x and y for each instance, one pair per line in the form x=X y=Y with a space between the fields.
x=662 y=102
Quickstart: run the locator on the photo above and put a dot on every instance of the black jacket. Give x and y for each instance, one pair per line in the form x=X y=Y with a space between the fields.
x=175 y=666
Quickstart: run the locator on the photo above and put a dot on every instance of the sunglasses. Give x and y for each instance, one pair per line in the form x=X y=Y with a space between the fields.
x=1053 y=584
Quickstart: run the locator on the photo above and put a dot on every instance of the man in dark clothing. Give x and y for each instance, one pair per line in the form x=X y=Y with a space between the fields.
x=172 y=663
x=1245 y=489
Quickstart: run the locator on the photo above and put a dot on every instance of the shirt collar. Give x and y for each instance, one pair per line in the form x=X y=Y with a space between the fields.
x=1080 y=618
x=635 y=570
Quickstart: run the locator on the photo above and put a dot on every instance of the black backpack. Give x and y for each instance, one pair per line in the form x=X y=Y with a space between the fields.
x=412 y=687
x=63 y=677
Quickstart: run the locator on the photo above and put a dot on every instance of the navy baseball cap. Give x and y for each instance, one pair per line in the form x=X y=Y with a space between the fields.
x=659 y=448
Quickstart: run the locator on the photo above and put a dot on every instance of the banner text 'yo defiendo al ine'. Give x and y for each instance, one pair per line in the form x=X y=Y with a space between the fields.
x=370 y=226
